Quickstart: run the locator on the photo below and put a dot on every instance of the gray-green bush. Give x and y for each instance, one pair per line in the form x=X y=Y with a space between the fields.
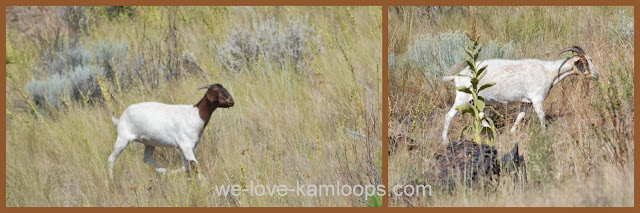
x=72 y=72
x=437 y=55
x=69 y=67
x=75 y=84
x=290 y=46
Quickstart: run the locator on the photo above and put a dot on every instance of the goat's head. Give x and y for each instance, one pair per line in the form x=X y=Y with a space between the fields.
x=218 y=96
x=582 y=62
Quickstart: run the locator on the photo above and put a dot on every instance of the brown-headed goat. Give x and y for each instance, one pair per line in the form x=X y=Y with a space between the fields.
x=178 y=126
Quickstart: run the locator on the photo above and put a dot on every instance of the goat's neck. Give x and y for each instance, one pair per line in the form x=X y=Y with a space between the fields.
x=205 y=109
x=560 y=69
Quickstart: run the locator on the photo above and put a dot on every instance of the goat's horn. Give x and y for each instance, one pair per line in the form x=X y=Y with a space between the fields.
x=204 y=87
x=574 y=49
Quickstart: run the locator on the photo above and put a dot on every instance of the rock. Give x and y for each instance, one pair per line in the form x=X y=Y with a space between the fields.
x=467 y=163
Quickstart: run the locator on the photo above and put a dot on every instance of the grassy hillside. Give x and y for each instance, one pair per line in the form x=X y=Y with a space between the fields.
x=586 y=157
x=306 y=82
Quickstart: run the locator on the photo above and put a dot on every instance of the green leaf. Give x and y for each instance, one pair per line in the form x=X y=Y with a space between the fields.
x=487 y=85
x=491 y=131
x=465 y=108
x=491 y=125
x=481 y=76
x=464 y=89
x=480 y=105
x=471 y=65
x=469 y=52
x=462 y=132
x=476 y=54
x=481 y=70
x=474 y=83
x=374 y=201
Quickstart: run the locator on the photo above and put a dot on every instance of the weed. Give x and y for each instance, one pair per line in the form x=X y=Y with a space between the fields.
x=477 y=106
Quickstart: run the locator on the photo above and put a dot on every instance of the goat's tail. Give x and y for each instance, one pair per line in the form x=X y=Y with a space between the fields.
x=447 y=78
x=114 y=120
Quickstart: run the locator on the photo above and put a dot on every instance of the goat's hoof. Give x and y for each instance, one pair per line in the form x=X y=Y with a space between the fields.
x=444 y=142
x=177 y=170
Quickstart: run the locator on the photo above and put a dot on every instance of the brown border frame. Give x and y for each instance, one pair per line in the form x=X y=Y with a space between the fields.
x=384 y=4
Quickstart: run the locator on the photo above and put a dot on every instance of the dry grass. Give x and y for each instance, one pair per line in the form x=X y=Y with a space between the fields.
x=586 y=157
x=286 y=126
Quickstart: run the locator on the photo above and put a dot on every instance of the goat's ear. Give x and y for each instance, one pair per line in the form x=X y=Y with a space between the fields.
x=581 y=67
x=580 y=63
x=212 y=94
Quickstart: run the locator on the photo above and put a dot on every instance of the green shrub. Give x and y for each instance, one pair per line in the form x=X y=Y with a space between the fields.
x=72 y=72
x=75 y=84
x=288 y=46
x=437 y=55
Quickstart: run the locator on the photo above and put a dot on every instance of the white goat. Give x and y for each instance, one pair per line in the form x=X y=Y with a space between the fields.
x=178 y=126
x=526 y=80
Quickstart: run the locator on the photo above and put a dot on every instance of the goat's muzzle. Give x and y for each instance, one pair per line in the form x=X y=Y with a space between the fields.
x=594 y=75
x=228 y=103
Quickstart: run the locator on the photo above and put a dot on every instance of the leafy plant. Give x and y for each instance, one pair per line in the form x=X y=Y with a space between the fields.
x=374 y=201
x=476 y=108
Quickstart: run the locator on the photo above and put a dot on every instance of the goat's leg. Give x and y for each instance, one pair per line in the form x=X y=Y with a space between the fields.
x=447 y=120
x=537 y=106
x=120 y=145
x=148 y=158
x=523 y=109
x=190 y=161
x=460 y=99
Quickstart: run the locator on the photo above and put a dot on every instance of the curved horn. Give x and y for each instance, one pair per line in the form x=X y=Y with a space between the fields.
x=205 y=86
x=574 y=49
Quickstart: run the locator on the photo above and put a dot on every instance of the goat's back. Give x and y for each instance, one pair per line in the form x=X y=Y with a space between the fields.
x=515 y=79
x=160 y=124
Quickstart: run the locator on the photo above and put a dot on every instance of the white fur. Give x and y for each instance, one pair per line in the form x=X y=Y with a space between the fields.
x=526 y=80
x=156 y=124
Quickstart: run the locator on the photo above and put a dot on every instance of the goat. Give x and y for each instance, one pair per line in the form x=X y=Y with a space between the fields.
x=178 y=126
x=525 y=80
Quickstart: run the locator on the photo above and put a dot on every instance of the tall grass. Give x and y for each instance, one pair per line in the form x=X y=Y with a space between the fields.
x=586 y=156
x=307 y=101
